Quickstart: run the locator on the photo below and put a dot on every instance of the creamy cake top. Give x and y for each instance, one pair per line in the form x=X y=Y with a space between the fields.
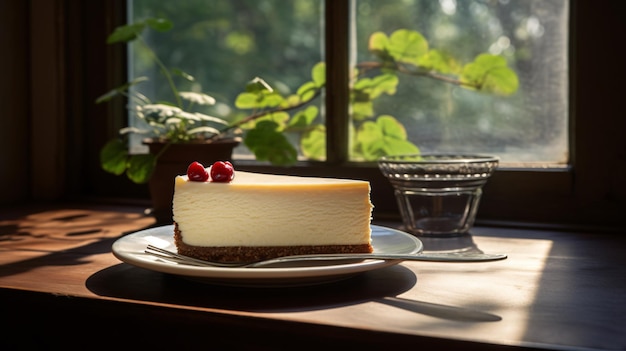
x=260 y=179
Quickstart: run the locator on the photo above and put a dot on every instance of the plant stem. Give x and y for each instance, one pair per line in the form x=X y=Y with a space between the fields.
x=164 y=71
x=260 y=114
x=365 y=66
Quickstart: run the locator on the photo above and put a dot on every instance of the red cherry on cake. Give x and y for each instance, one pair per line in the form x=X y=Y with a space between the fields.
x=222 y=171
x=197 y=173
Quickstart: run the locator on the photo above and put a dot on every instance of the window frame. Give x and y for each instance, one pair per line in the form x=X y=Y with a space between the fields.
x=585 y=193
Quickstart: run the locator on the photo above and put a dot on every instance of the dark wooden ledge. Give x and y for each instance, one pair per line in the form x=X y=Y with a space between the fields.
x=60 y=286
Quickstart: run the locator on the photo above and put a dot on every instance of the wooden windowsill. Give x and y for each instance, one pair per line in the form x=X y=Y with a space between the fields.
x=556 y=290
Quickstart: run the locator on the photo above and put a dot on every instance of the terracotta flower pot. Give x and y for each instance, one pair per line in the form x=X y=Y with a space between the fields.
x=174 y=161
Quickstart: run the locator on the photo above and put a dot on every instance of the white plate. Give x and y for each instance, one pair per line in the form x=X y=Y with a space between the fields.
x=130 y=249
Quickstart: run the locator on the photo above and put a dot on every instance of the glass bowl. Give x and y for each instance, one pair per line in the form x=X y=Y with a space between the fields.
x=438 y=194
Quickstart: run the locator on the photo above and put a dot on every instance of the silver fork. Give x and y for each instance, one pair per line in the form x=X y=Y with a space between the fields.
x=178 y=258
x=438 y=257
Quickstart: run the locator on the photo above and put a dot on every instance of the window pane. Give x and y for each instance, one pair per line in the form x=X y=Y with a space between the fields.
x=224 y=44
x=528 y=127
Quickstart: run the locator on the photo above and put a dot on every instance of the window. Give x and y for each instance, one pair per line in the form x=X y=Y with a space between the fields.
x=281 y=41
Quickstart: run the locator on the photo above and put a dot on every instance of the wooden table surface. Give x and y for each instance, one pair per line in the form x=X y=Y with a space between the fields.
x=60 y=285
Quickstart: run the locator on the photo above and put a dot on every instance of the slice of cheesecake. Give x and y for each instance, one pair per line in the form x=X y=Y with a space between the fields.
x=259 y=216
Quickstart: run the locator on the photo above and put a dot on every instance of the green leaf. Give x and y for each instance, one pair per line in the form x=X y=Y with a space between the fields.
x=436 y=60
x=385 y=136
x=259 y=99
x=313 y=143
x=476 y=70
x=368 y=133
x=290 y=101
x=129 y=32
x=307 y=91
x=318 y=73
x=113 y=156
x=303 y=118
x=258 y=85
x=119 y=90
x=126 y=33
x=407 y=46
x=384 y=83
x=378 y=43
x=361 y=90
x=268 y=144
x=108 y=96
x=489 y=73
x=501 y=81
x=281 y=118
x=141 y=167
x=246 y=101
x=391 y=127
x=376 y=86
x=160 y=24
x=367 y=89
x=394 y=137
x=362 y=110
x=271 y=99
x=369 y=139
x=398 y=147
